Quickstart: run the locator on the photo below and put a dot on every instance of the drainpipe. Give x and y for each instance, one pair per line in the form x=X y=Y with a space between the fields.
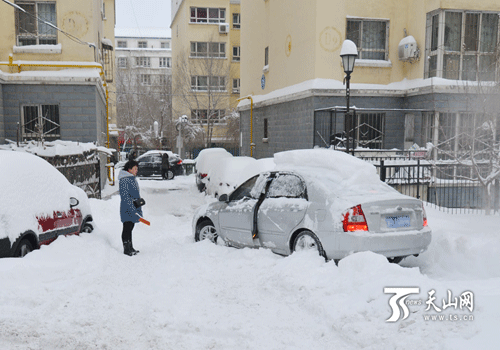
x=252 y=145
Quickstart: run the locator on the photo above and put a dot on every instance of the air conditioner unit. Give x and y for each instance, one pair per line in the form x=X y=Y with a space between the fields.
x=236 y=90
x=408 y=49
x=223 y=28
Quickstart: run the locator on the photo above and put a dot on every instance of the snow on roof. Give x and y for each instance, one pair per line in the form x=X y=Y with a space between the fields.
x=401 y=87
x=144 y=32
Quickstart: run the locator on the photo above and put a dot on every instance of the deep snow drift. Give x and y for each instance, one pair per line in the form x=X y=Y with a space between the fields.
x=84 y=293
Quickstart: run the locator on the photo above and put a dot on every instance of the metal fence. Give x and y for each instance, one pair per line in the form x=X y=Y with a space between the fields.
x=81 y=170
x=451 y=187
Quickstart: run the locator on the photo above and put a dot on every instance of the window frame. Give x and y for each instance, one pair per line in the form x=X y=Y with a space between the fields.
x=221 y=15
x=165 y=62
x=199 y=53
x=142 y=44
x=145 y=79
x=35 y=35
x=121 y=44
x=143 y=61
x=200 y=116
x=451 y=62
x=363 y=22
x=237 y=23
x=237 y=57
x=236 y=85
x=33 y=134
x=122 y=62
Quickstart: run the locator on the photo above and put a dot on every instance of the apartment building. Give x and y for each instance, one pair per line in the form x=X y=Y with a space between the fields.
x=57 y=70
x=144 y=84
x=206 y=74
x=418 y=77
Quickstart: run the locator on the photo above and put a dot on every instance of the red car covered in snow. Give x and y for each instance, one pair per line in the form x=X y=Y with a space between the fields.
x=38 y=204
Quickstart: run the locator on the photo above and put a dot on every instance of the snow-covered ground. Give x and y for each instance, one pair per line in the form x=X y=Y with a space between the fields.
x=84 y=293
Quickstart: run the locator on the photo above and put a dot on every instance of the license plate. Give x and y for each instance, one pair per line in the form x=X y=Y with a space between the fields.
x=397 y=221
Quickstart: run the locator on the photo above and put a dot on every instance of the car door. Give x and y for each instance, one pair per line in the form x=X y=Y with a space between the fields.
x=283 y=208
x=145 y=166
x=60 y=223
x=236 y=219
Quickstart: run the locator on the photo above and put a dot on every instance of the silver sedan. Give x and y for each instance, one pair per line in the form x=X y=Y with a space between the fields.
x=312 y=208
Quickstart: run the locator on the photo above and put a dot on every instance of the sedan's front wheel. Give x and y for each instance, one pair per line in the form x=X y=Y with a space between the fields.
x=206 y=230
x=87 y=228
x=306 y=240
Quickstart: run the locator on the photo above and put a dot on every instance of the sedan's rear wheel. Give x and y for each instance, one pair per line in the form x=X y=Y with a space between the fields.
x=169 y=175
x=206 y=230
x=24 y=248
x=306 y=240
x=87 y=228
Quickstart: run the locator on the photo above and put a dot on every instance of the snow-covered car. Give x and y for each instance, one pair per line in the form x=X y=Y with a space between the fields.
x=150 y=164
x=206 y=160
x=228 y=174
x=38 y=204
x=317 y=199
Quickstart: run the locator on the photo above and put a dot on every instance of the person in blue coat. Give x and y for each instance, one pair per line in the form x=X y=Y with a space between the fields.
x=129 y=214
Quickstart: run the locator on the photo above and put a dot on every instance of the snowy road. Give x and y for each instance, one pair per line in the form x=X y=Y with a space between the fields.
x=84 y=293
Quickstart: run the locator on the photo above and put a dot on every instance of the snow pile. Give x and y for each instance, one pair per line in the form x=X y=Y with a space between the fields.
x=31 y=187
x=209 y=158
x=178 y=294
x=56 y=148
x=228 y=174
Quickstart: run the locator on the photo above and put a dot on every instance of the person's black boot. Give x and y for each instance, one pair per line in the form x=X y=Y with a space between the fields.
x=127 y=249
x=134 y=252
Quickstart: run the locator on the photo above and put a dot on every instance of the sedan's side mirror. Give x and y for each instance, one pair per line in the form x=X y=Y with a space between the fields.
x=73 y=202
x=224 y=198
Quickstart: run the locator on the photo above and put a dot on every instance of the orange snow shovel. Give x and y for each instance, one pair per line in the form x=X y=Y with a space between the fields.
x=144 y=221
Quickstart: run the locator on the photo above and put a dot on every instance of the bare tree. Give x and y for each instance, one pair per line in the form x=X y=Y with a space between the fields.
x=141 y=103
x=471 y=137
x=202 y=86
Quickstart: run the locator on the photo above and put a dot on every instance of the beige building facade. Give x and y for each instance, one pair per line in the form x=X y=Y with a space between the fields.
x=415 y=59
x=57 y=60
x=206 y=57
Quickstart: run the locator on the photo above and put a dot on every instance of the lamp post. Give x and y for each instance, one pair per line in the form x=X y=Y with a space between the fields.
x=348 y=53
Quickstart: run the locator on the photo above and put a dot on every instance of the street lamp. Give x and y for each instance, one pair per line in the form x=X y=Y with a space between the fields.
x=348 y=53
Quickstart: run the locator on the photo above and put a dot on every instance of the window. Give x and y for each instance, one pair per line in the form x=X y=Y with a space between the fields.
x=40 y=121
x=208 y=49
x=165 y=45
x=122 y=62
x=203 y=83
x=287 y=186
x=163 y=80
x=29 y=31
x=455 y=133
x=165 y=62
x=145 y=79
x=244 y=190
x=122 y=44
x=142 y=44
x=236 y=86
x=265 y=128
x=207 y=15
x=236 y=53
x=266 y=56
x=143 y=61
x=236 y=21
x=107 y=59
x=461 y=45
x=370 y=36
x=203 y=116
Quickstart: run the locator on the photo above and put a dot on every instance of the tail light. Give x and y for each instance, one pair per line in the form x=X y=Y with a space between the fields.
x=424 y=215
x=355 y=220
x=203 y=176
x=179 y=162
